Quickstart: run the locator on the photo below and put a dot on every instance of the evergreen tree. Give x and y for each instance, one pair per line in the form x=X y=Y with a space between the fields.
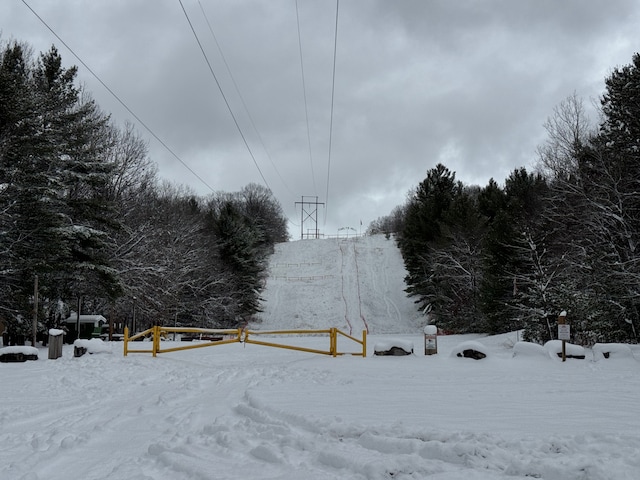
x=441 y=243
x=497 y=285
x=533 y=255
x=238 y=243
x=30 y=182
x=50 y=172
x=422 y=227
x=456 y=267
x=80 y=133
x=14 y=106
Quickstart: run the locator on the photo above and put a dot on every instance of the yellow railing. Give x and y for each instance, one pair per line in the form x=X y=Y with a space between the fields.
x=333 y=340
x=157 y=333
x=238 y=336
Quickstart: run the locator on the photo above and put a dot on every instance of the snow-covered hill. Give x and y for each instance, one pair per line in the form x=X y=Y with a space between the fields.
x=353 y=284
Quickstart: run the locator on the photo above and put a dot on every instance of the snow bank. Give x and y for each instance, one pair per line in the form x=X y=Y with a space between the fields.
x=554 y=347
x=529 y=349
x=19 y=349
x=467 y=349
x=94 y=345
x=611 y=350
x=388 y=345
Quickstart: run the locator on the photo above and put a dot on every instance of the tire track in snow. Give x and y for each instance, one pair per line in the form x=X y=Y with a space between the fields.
x=326 y=447
x=275 y=442
x=344 y=295
x=316 y=283
x=377 y=263
x=355 y=260
x=350 y=275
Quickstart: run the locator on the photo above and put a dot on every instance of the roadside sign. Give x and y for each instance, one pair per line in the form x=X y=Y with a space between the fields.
x=564 y=332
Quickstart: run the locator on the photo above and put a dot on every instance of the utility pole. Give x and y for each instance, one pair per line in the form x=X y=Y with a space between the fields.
x=35 y=311
x=309 y=213
x=78 y=317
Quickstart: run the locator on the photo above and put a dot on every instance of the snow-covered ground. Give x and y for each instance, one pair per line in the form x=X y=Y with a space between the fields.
x=251 y=412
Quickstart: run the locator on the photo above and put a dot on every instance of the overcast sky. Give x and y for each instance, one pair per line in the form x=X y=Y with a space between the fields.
x=465 y=83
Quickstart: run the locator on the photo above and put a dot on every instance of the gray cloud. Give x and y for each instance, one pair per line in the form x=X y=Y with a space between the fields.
x=466 y=83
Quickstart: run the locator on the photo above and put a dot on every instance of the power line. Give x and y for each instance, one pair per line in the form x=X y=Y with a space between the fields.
x=224 y=97
x=304 y=93
x=139 y=120
x=244 y=104
x=333 y=89
x=239 y=95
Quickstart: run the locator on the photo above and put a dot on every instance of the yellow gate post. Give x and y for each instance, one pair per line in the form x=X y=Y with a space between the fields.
x=126 y=340
x=364 y=343
x=333 y=341
x=156 y=339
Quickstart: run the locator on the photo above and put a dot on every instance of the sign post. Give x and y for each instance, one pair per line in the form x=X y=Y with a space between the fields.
x=564 y=333
x=430 y=340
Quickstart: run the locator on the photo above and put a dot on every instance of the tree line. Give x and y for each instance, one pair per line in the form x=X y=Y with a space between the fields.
x=83 y=210
x=563 y=237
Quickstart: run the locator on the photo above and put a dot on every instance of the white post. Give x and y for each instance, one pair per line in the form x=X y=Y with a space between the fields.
x=562 y=320
x=430 y=340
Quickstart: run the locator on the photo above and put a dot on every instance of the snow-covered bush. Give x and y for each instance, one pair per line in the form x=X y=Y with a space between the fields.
x=611 y=350
x=470 y=349
x=554 y=347
x=529 y=349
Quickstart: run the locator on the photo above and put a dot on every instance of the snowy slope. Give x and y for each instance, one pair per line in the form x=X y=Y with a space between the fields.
x=353 y=284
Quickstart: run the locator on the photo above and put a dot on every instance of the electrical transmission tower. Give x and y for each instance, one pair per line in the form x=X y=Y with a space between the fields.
x=309 y=215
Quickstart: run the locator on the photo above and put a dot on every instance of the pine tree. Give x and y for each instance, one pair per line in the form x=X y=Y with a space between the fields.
x=238 y=245
x=51 y=169
x=497 y=285
x=533 y=264
x=441 y=243
x=29 y=179
x=422 y=227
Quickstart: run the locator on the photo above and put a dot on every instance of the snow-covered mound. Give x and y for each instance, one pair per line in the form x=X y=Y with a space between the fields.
x=611 y=350
x=554 y=347
x=19 y=353
x=529 y=349
x=471 y=349
x=353 y=284
x=93 y=345
x=389 y=346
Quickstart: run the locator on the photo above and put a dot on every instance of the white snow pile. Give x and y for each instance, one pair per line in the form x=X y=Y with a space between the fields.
x=611 y=350
x=25 y=350
x=243 y=411
x=470 y=347
x=554 y=347
x=93 y=345
x=528 y=349
x=383 y=346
